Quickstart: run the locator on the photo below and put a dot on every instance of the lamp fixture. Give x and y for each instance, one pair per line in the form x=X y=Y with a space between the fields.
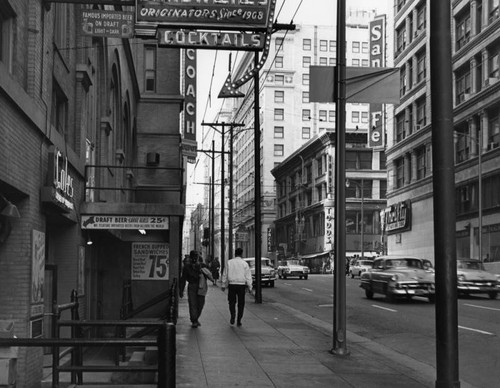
x=89 y=241
x=142 y=231
x=9 y=209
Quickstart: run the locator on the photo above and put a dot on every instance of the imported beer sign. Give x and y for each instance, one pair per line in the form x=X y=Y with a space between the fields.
x=209 y=14
x=124 y=222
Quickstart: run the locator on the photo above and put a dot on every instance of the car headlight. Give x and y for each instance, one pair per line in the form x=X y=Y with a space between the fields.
x=461 y=278
x=394 y=278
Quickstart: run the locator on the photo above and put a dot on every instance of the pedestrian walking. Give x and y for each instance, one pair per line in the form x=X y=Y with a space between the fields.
x=214 y=268
x=193 y=274
x=236 y=278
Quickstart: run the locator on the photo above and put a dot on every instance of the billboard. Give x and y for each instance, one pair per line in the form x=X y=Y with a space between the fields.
x=248 y=15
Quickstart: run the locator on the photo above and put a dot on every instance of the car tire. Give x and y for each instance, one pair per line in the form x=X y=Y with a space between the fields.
x=305 y=277
x=300 y=277
x=493 y=294
x=369 y=294
x=352 y=275
x=271 y=283
x=283 y=276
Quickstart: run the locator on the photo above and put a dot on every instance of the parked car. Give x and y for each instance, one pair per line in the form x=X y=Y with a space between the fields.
x=472 y=278
x=398 y=276
x=359 y=266
x=293 y=267
x=267 y=272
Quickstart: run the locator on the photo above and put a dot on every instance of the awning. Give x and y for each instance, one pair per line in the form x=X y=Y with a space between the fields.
x=366 y=254
x=314 y=255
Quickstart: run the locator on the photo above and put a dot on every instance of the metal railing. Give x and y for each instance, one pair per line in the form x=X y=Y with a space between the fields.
x=165 y=343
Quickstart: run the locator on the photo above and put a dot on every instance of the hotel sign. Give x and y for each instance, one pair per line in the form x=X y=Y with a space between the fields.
x=208 y=14
x=397 y=217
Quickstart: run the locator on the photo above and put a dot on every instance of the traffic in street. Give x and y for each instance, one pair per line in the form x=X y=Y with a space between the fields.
x=406 y=326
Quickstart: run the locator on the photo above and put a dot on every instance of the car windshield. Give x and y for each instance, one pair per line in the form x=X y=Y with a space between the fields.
x=462 y=264
x=365 y=262
x=404 y=263
x=264 y=262
x=293 y=262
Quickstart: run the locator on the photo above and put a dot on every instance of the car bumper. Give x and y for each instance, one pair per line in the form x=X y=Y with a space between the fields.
x=477 y=287
x=413 y=289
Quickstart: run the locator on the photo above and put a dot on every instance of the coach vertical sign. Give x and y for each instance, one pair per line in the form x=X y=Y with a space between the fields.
x=189 y=145
x=377 y=59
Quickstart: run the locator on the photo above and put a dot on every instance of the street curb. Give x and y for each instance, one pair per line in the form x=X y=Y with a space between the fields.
x=417 y=370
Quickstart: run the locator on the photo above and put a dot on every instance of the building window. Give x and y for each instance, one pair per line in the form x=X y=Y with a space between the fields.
x=332 y=61
x=421 y=119
x=322 y=115
x=323 y=45
x=279 y=79
x=365 y=47
x=278 y=62
x=355 y=62
x=400 y=40
x=323 y=61
x=463 y=30
x=305 y=97
x=400 y=172
x=279 y=114
x=400 y=127
x=306 y=44
x=493 y=132
x=306 y=114
x=6 y=35
x=364 y=117
x=356 y=47
x=319 y=164
x=331 y=116
x=306 y=132
x=493 y=65
x=355 y=117
x=279 y=96
x=150 y=68
x=421 y=162
x=279 y=132
x=383 y=160
x=305 y=79
x=402 y=81
x=59 y=109
x=306 y=61
x=463 y=84
x=365 y=62
x=61 y=29
x=358 y=160
x=421 y=17
x=421 y=71
x=333 y=46
x=279 y=150
x=278 y=44
x=494 y=11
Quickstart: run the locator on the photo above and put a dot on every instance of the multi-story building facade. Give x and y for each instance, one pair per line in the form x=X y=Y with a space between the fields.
x=90 y=140
x=288 y=119
x=475 y=42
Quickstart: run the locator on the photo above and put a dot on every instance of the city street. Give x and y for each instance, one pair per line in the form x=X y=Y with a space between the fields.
x=405 y=326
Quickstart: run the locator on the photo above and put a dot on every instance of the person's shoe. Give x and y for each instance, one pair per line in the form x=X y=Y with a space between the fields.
x=194 y=325
x=198 y=323
x=239 y=323
x=231 y=321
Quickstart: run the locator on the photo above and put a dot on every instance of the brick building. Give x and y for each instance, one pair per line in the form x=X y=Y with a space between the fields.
x=90 y=131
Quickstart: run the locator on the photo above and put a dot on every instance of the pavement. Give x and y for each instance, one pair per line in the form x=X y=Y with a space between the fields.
x=279 y=346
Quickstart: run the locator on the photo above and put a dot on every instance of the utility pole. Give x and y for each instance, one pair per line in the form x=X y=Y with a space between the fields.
x=444 y=195
x=258 y=215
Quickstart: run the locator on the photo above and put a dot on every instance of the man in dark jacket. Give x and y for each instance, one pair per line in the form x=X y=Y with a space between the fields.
x=191 y=273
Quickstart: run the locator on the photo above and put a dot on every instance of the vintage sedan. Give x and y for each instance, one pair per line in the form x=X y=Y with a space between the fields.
x=472 y=278
x=267 y=272
x=359 y=266
x=398 y=276
x=293 y=267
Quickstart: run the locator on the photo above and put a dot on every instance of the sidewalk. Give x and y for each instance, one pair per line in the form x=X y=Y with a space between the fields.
x=278 y=346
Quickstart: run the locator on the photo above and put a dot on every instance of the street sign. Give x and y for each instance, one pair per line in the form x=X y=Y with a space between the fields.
x=109 y=24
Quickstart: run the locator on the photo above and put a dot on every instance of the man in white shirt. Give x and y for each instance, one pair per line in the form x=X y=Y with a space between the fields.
x=236 y=278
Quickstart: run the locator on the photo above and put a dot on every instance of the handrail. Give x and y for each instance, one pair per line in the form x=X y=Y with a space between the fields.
x=165 y=343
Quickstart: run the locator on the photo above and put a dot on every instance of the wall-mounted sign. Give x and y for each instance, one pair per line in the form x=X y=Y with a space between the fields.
x=110 y=24
x=241 y=237
x=37 y=272
x=208 y=14
x=124 y=222
x=150 y=261
x=220 y=40
x=397 y=217
x=59 y=189
x=329 y=227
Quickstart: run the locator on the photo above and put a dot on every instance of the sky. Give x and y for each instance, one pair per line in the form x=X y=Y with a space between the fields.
x=213 y=66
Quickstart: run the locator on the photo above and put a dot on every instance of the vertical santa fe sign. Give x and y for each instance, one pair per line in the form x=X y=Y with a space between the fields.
x=150 y=261
x=377 y=59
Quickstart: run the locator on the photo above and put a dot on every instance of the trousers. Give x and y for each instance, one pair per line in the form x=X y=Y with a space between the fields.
x=236 y=295
x=196 y=302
